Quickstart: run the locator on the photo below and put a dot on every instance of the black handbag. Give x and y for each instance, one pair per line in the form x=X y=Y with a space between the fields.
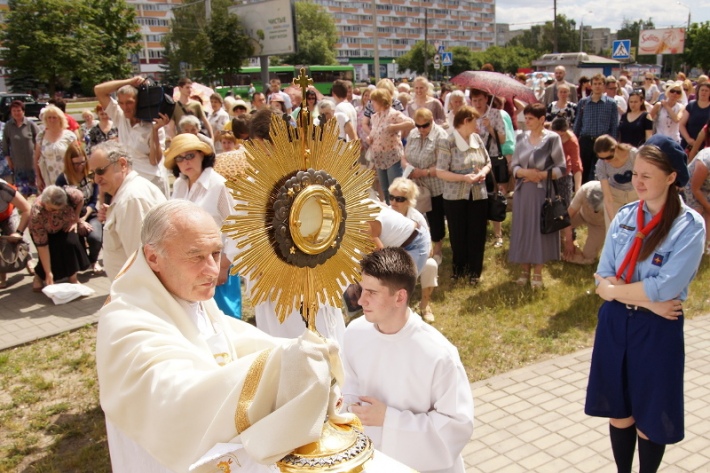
x=497 y=202
x=13 y=256
x=152 y=101
x=499 y=165
x=554 y=216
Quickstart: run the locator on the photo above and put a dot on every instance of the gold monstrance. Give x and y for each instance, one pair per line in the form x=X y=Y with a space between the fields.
x=301 y=229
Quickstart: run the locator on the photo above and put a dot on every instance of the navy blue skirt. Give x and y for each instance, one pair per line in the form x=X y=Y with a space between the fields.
x=637 y=370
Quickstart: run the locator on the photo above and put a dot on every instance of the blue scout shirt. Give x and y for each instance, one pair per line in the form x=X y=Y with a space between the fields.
x=667 y=272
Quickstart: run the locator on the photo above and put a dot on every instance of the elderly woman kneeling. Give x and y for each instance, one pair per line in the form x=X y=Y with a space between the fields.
x=54 y=219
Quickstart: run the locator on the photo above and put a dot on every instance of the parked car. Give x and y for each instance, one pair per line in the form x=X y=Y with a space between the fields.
x=32 y=107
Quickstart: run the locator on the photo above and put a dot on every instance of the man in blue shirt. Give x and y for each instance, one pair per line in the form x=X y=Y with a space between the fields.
x=596 y=115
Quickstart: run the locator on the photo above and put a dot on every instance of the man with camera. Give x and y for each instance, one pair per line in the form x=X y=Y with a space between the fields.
x=144 y=140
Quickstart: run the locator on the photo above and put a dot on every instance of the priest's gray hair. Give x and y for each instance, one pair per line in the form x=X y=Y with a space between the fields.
x=159 y=223
x=114 y=151
x=54 y=195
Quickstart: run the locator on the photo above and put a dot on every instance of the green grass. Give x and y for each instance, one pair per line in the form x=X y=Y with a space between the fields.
x=50 y=419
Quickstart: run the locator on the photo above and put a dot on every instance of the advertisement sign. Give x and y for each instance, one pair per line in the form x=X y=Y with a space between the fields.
x=664 y=41
x=270 y=24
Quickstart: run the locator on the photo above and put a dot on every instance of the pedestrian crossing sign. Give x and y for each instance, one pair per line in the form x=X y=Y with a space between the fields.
x=621 y=49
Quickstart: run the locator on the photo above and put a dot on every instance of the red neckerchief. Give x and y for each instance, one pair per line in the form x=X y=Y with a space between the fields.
x=633 y=255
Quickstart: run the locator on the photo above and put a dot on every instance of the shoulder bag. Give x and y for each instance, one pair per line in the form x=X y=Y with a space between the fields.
x=499 y=164
x=423 y=199
x=497 y=202
x=13 y=256
x=554 y=216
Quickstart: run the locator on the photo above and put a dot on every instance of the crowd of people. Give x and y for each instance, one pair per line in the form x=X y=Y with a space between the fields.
x=438 y=158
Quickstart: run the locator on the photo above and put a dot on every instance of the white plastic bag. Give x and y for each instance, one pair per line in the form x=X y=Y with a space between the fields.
x=66 y=292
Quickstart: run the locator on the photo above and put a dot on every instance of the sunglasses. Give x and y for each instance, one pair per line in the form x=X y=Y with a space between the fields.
x=399 y=198
x=101 y=171
x=425 y=125
x=674 y=92
x=185 y=157
x=606 y=158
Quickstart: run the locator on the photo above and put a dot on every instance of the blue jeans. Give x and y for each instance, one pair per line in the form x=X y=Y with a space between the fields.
x=386 y=176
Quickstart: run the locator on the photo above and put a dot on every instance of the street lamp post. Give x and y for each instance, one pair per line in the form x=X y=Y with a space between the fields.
x=581 y=32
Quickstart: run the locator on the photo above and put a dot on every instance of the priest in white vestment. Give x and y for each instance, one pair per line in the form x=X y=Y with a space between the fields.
x=185 y=387
x=415 y=399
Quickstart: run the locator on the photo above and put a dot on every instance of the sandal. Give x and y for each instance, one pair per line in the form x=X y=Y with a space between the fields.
x=37 y=287
x=536 y=282
x=498 y=243
x=523 y=279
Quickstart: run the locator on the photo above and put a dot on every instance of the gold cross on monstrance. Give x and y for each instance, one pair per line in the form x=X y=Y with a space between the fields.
x=303 y=81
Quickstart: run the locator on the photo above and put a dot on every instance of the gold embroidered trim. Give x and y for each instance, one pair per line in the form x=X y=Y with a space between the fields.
x=246 y=397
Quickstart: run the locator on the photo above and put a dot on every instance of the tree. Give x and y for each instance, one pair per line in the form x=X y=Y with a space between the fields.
x=413 y=59
x=53 y=41
x=696 y=40
x=631 y=30
x=463 y=60
x=214 y=49
x=508 y=59
x=541 y=37
x=316 y=36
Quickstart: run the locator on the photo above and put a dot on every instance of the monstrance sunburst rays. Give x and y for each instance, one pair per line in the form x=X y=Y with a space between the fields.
x=314 y=148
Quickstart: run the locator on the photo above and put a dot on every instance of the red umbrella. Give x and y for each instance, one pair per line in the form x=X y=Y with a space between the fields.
x=495 y=83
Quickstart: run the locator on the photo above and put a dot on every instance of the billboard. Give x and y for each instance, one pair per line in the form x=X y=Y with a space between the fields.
x=270 y=24
x=664 y=41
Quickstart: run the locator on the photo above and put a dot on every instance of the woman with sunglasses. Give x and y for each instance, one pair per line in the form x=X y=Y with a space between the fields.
x=614 y=169
x=650 y=256
x=463 y=162
x=668 y=112
x=191 y=161
x=54 y=220
x=421 y=154
x=650 y=89
x=76 y=175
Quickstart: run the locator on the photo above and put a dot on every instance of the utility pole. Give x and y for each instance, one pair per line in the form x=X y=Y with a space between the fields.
x=376 y=55
x=426 y=43
x=554 y=32
x=208 y=9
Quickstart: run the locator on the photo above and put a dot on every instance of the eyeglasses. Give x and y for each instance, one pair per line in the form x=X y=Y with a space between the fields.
x=185 y=157
x=674 y=91
x=399 y=198
x=101 y=171
x=424 y=125
x=648 y=78
x=80 y=163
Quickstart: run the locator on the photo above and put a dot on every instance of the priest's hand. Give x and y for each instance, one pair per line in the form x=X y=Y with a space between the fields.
x=372 y=415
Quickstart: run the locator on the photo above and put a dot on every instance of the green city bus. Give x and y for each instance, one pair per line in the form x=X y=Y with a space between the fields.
x=323 y=77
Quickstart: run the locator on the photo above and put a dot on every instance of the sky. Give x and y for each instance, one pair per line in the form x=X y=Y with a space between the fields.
x=521 y=14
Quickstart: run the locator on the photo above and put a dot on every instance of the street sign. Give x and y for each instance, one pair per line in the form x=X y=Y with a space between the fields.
x=136 y=63
x=437 y=65
x=447 y=59
x=437 y=59
x=621 y=49
x=440 y=50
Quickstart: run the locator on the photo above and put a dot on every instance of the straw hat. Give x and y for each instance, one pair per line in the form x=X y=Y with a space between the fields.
x=181 y=144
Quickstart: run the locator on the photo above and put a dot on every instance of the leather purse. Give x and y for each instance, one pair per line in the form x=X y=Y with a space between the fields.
x=497 y=202
x=553 y=215
x=152 y=101
x=13 y=256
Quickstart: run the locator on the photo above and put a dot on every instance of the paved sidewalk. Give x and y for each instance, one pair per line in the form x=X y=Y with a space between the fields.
x=532 y=419
x=528 y=420
x=26 y=316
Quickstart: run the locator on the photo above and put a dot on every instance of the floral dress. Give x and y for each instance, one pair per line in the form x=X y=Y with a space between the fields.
x=386 y=148
x=51 y=155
